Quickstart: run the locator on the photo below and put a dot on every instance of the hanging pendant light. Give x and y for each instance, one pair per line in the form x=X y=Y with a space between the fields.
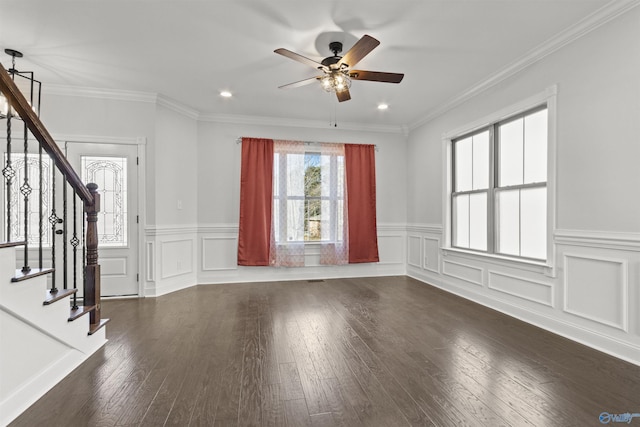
x=26 y=83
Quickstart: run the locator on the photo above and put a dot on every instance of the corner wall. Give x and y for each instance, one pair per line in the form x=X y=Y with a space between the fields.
x=219 y=195
x=591 y=293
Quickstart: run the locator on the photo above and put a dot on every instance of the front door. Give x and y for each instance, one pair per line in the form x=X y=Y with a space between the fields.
x=113 y=167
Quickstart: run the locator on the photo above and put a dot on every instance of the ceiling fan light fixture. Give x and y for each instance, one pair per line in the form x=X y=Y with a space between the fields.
x=335 y=81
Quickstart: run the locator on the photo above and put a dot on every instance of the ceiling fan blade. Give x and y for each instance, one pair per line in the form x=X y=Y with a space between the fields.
x=300 y=83
x=359 y=50
x=376 y=76
x=299 y=58
x=343 y=95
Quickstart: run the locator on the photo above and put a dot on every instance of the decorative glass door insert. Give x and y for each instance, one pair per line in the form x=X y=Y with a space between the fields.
x=110 y=174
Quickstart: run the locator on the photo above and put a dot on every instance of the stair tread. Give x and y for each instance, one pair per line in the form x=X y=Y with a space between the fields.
x=95 y=326
x=79 y=311
x=10 y=244
x=34 y=272
x=55 y=296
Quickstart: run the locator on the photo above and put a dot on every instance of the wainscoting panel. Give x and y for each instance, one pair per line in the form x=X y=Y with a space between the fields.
x=520 y=287
x=413 y=251
x=176 y=258
x=391 y=246
x=432 y=254
x=596 y=289
x=150 y=262
x=219 y=253
x=468 y=273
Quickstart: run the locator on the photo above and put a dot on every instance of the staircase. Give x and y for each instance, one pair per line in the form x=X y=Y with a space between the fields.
x=43 y=334
x=42 y=338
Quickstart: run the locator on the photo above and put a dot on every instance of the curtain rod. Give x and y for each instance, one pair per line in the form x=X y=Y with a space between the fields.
x=375 y=147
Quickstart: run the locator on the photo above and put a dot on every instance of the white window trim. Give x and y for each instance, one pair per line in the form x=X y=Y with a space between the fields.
x=332 y=198
x=548 y=96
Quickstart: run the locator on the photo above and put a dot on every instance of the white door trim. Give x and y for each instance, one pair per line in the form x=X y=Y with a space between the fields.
x=140 y=143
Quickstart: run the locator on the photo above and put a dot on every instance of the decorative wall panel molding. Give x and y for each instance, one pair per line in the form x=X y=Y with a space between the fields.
x=425 y=228
x=468 y=273
x=176 y=258
x=531 y=290
x=391 y=248
x=598 y=239
x=431 y=252
x=151 y=261
x=596 y=288
x=219 y=253
x=414 y=254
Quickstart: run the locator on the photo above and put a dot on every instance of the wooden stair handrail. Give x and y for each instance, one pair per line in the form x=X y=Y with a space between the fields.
x=31 y=119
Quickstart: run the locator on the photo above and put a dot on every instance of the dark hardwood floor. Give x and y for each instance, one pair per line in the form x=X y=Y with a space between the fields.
x=386 y=351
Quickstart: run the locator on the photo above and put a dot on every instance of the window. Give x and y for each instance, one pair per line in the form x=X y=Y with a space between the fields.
x=308 y=195
x=499 y=187
x=15 y=213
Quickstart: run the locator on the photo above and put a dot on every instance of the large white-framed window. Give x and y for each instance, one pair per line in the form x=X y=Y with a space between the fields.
x=500 y=187
x=308 y=195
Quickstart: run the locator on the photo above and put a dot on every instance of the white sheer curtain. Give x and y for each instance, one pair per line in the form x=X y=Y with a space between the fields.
x=334 y=225
x=287 y=241
x=308 y=203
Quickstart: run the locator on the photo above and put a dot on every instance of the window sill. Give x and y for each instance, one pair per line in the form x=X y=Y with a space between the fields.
x=541 y=267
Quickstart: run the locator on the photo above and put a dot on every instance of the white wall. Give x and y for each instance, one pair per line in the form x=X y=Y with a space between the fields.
x=169 y=249
x=219 y=195
x=593 y=292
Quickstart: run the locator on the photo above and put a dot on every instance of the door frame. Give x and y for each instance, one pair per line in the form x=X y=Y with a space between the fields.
x=140 y=143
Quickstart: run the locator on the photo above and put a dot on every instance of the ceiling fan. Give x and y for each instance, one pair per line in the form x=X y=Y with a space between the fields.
x=337 y=72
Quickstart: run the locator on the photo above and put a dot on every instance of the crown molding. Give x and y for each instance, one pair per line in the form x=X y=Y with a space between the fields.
x=287 y=122
x=177 y=107
x=610 y=11
x=90 y=92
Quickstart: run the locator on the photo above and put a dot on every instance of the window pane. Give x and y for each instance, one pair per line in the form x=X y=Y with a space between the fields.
x=295 y=220
x=533 y=223
x=110 y=174
x=313 y=219
x=463 y=164
x=481 y=161
x=461 y=221
x=16 y=203
x=508 y=222
x=535 y=147
x=294 y=175
x=478 y=221
x=511 y=151
x=312 y=175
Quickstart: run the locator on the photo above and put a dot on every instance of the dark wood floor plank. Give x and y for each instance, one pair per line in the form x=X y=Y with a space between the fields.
x=345 y=352
x=291 y=385
x=309 y=378
x=267 y=346
x=249 y=410
x=296 y=413
x=272 y=409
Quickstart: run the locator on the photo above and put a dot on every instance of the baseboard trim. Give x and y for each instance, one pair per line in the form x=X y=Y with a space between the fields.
x=619 y=349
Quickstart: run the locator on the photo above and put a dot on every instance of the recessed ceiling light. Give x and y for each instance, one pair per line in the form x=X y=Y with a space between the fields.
x=382 y=106
x=226 y=94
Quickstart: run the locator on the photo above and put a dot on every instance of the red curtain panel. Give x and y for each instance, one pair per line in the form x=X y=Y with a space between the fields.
x=360 y=170
x=256 y=195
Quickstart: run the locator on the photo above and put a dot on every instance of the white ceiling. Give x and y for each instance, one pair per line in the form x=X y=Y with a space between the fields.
x=188 y=51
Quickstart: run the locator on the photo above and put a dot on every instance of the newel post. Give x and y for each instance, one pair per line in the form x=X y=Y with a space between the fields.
x=92 y=269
